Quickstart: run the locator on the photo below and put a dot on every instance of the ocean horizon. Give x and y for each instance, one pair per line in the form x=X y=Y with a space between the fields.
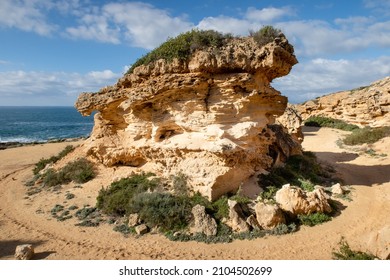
x=31 y=124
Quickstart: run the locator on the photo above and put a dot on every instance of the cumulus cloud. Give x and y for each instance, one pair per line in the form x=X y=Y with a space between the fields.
x=321 y=76
x=26 y=15
x=268 y=14
x=135 y=23
x=28 y=86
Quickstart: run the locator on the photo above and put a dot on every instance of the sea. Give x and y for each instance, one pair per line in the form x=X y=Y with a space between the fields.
x=42 y=124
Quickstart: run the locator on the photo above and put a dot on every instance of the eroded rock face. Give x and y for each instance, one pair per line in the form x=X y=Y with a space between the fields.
x=208 y=117
x=295 y=201
x=362 y=106
x=204 y=223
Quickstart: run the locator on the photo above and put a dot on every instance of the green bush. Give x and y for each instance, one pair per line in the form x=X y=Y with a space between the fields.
x=163 y=210
x=182 y=46
x=313 y=219
x=79 y=171
x=115 y=199
x=265 y=34
x=40 y=165
x=303 y=171
x=321 y=121
x=367 y=135
x=346 y=253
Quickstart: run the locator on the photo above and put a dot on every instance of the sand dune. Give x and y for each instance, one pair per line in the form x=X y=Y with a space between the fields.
x=25 y=219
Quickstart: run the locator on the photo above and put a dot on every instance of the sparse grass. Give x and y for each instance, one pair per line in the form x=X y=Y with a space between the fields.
x=89 y=217
x=303 y=171
x=163 y=210
x=321 y=121
x=314 y=219
x=115 y=199
x=182 y=46
x=265 y=34
x=346 y=253
x=40 y=165
x=124 y=229
x=69 y=196
x=79 y=171
x=367 y=135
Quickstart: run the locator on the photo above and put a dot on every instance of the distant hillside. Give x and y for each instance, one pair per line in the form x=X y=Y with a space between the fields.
x=368 y=105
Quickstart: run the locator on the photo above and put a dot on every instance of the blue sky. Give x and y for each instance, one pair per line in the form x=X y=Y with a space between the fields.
x=50 y=50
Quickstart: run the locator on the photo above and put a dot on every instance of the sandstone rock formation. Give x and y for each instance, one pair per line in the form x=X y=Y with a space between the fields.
x=208 y=117
x=24 y=252
x=295 y=201
x=237 y=219
x=362 y=106
x=204 y=223
x=269 y=215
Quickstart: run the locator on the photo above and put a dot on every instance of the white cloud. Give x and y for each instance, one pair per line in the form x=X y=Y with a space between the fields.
x=226 y=25
x=135 y=23
x=51 y=86
x=321 y=76
x=25 y=15
x=267 y=15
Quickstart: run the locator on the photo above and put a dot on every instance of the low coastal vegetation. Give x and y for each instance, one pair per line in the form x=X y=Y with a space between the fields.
x=184 y=45
x=359 y=136
x=367 y=135
x=321 y=121
x=78 y=171
x=40 y=165
x=346 y=253
x=146 y=196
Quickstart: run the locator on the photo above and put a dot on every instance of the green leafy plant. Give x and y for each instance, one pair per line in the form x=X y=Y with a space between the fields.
x=182 y=46
x=115 y=199
x=314 y=219
x=367 y=135
x=265 y=35
x=346 y=253
x=162 y=210
x=78 y=171
x=40 y=165
x=321 y=121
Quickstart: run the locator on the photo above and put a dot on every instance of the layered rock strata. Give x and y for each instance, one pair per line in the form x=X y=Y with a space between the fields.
x=209 y=117
x=362 y=106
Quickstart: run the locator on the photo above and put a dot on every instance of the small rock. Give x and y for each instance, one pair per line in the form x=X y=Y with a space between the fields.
x=237 y=218
x=134 y=220
x=141 y=229
x=379 y=243
x=269 y=215
x=24 y=252
x=337 y=189
x=204 y=223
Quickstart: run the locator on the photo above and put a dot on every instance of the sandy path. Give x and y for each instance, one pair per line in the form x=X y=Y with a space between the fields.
x=27 y=219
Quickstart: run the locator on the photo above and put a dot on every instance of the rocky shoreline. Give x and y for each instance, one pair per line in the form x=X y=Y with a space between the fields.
x=15 y=144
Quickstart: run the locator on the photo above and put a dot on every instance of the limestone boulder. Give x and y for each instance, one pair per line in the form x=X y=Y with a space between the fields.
x=295 y=201
x=237 y=218
x=141 y=229
x=269 y=215
x=203 y=222
x=379 y=243
x=24 y=252
x=134 y=220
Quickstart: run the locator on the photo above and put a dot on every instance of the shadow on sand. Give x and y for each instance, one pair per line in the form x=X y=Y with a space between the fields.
x=7 y=248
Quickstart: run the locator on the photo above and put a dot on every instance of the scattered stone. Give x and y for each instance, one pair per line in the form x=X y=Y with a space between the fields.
x=141 y=229
x=24 y=252
x=204 y=223
x=134 y=220
x=337 y=189
x=237 y=218
x=295 y=201
x=269 y=215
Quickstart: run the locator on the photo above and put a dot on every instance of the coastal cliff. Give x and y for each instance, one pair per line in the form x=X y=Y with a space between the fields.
x=368 y=105
x=210 y=116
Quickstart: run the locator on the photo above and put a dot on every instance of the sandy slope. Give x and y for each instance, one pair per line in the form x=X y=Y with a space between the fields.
x=26 y=219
